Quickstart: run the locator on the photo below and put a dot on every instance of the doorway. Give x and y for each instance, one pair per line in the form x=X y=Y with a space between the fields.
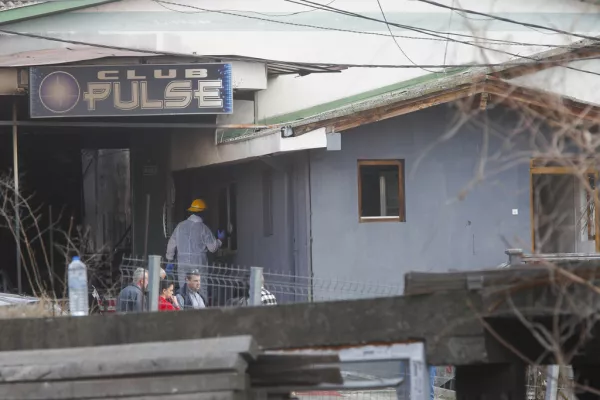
x=563 y=209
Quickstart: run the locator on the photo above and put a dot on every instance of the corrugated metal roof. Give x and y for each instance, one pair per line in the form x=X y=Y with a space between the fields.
x=425 y=85
x=81 y=51
x=63 y=56
x=12 y=4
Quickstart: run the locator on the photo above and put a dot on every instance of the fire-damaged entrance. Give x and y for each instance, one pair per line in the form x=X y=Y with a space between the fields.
x=74 y=188
x=93 y=184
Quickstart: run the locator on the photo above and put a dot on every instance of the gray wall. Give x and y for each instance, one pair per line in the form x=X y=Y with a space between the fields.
x=442 y=231
x=287 y=247
x=451 y=222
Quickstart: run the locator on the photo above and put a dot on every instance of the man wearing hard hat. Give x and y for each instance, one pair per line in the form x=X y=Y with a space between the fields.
x=192 y=239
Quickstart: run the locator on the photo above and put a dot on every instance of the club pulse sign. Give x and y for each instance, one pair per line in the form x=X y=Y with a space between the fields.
x=93 y=91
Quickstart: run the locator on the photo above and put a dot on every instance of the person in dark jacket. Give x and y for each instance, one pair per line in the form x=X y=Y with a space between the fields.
x=132 y=298
x=188 y=296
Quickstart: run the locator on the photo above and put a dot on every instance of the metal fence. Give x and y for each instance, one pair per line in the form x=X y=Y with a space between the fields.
x=228 y=285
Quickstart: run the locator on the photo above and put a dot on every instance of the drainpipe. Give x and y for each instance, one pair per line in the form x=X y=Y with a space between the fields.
x=309 y=237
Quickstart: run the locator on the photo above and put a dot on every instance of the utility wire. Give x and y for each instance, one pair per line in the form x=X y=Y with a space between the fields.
x=448 y=41
x=237 y=14
x=425 y=31
x=511 y=21
x=396 y=41
x=407 y=27
x=297 y=64
x=243 y=11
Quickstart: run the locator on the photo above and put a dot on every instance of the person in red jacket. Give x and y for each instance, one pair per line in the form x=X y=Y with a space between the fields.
x=166 y=300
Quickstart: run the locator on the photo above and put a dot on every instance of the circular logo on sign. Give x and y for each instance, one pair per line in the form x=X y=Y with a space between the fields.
x=59 y=92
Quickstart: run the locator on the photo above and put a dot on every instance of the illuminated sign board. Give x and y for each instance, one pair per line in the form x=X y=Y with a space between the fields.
x=136 y=90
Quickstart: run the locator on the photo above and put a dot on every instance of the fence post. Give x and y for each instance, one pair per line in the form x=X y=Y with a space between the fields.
x=153 y=281
x=552 y=382
x=256 y=276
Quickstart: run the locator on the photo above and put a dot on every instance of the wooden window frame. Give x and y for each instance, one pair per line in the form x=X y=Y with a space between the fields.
x=401 y=191
x=539 y=166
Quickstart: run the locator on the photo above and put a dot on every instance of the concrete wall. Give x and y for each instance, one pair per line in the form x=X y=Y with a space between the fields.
x=442 y=231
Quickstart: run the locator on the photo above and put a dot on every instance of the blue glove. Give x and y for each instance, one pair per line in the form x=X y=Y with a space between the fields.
x=221 y=235
x=170 y=268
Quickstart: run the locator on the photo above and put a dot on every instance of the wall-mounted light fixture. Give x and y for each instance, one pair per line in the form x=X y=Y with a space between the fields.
x=287 y=131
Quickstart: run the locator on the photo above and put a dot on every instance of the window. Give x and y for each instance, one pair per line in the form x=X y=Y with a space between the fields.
x=381 y=191
x=267 y=189
x=228 y=214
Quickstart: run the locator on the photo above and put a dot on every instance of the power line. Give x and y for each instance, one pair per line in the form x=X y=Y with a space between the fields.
x=244 y=11
x=448 y=41
x=301 y=25
x=395 y=40
x=511 y=21
x=297 y=64
x=425 y=31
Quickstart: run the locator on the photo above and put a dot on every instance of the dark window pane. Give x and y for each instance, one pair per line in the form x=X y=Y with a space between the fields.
x=380 y=190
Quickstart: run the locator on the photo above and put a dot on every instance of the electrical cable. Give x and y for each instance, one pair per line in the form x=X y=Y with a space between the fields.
x=243 y=11
x=426 y=31
x=233 y=13
x=396 y=41
x=297 y=64
x=407 y=27
x=448 y=41
x=511 y=21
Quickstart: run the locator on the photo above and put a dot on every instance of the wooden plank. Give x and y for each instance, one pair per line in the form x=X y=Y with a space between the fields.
x=126 y=387
x=432 y=318
x=497 y=279
x=550 y=62
x=227 y=395
x=395 y=109
x=91 y=368
x=407 y=107
x=243 y=345
x=544 y=99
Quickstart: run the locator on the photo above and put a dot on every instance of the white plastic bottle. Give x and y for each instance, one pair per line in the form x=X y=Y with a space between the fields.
x=78 y=288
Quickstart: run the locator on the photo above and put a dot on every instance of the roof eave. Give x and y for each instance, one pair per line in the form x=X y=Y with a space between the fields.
x=45 y=9
x=504 y=91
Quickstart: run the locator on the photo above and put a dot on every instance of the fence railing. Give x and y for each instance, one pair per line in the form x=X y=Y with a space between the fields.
x=231 y=285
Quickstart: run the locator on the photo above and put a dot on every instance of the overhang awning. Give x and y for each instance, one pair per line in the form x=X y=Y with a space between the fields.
x=77 y=52
x=63 y=56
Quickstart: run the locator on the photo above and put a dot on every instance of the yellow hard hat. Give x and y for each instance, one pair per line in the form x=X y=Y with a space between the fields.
x=197 y=206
